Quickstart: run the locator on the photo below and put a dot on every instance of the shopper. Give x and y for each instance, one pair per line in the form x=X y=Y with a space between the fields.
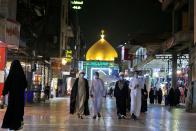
x=80 y=96
x=97 y=92
x=121 y=94
x=15 y=85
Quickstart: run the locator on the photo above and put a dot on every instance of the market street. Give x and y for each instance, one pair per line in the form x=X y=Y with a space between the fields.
x=54 y=116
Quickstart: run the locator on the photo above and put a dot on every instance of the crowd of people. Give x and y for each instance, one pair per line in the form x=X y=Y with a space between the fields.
x=134 y=90
x=130 y=96
x=168 y=95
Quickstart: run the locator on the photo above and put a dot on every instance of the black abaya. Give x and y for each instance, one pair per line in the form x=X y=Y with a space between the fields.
x=15 y=85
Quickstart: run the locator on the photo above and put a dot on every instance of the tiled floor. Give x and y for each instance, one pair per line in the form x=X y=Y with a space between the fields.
x=54 y=116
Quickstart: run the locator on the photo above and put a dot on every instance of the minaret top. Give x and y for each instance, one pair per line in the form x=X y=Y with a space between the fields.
x=102 y=34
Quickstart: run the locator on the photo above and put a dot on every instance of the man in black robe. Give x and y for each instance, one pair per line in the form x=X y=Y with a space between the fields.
x=80 y=96
x=15 y=85
x=121 y=94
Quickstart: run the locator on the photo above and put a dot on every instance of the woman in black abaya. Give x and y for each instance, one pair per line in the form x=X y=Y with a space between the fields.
x=144 y=99
x=15 y=85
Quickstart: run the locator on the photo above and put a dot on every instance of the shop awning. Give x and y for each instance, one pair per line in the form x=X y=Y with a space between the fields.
x=2 y=44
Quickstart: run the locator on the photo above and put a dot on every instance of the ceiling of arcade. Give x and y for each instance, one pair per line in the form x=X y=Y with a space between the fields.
x=161 y=44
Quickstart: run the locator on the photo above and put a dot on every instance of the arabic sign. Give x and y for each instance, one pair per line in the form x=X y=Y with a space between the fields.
x=99 y=64
x=10 y=33
x=77 y=4
x=12 y=37
x=68 y=54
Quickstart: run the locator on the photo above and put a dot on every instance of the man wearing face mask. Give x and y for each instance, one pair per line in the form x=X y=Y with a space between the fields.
x=97 y=91
x=121 y=94
x=79 y=96
x=136 y=84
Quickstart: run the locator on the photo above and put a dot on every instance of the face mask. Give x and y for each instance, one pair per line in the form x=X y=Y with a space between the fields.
x=81 y=75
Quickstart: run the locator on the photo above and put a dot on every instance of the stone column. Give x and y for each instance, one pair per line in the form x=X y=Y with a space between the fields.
x=174 y=70
x=191 y=96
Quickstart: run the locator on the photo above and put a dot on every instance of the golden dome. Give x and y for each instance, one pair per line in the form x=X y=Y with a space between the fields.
x=102 y=51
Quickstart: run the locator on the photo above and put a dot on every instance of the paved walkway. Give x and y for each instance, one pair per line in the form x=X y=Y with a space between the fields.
x=54 y=116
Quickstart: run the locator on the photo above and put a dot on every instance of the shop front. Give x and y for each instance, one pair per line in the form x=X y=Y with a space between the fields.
x=40 y=80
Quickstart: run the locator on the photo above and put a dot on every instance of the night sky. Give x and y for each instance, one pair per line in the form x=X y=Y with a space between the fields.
x=122 y=17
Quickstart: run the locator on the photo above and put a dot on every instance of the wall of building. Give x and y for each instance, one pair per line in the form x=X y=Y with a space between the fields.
x=64 y=25
x=8 y=8
x=195 y=23
x=194 y=50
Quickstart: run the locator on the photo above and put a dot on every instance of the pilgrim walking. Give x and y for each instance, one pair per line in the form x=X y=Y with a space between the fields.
x=144 y=99
x=97 y=92
x=136 y=84
x=80 y=96
x=121 y=94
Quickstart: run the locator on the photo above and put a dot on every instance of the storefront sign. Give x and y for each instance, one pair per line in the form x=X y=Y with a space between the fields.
x=77 y=4
x=2 y=57
x=12 y=37
x=1 y=88
x=2 y=66
x=10 y=33
x=68 y=54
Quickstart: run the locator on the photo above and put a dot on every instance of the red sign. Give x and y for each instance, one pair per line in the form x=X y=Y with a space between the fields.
x=2 y=57
x=1 y=88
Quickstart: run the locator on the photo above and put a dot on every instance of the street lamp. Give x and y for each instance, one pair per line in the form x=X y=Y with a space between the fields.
x=64 y=61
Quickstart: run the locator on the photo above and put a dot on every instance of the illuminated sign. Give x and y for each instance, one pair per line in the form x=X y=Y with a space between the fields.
x=99 y=64
x=77 y=4
x=2 y=58
x=68 y=55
